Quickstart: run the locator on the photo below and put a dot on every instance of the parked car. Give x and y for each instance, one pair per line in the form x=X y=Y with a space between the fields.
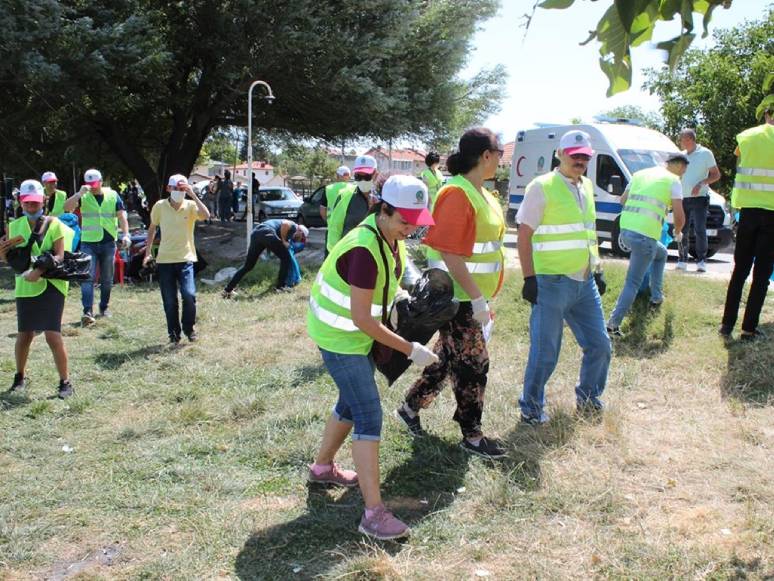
x=309 y=213
x=277 y=202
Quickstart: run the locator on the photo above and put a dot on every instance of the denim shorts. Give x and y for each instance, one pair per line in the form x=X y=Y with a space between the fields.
x=359 y=401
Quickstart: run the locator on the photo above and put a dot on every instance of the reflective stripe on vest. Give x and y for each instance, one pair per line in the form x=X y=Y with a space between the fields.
x=487 y=259
x=341 y=299
x=566 y=241
x=650 y=195
x=754 y=183
x=336 y=321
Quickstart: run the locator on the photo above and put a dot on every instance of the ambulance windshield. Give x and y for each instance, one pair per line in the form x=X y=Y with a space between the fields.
x=637 y=159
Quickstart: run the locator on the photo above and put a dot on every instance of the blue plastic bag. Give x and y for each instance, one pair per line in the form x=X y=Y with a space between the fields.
x=294 y=272
x=71 y=220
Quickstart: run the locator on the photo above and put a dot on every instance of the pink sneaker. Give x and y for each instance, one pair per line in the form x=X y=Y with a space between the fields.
x=333 y=475
x=383 y=525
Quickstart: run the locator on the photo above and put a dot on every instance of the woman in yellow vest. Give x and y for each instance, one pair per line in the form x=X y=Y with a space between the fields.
x=432 y=176
x=753 y=194
x=40 y=301
x=348 y=307
x=467 y=240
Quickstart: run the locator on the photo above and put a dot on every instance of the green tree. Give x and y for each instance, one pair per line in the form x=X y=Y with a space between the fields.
x=138 y=85
x=313 y=163
x=716 y=91
x=648 y=119
x=630 y=23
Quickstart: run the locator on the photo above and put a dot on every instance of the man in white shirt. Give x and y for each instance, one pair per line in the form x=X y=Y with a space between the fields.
x=702 y=171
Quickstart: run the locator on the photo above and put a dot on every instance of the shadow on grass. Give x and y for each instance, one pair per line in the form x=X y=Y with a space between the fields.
x=637 y=342
x=9 y=401
x=748 y=374
x=527 y=445
x=116 y=360
x=307 y=374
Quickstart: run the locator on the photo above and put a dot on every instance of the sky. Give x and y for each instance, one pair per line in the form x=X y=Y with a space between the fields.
x=552 y=79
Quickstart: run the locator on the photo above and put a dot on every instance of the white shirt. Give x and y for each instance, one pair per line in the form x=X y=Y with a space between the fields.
x=533 y=206
x=701 y=160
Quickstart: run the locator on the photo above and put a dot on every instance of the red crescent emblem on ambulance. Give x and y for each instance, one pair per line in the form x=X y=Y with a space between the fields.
x=518 y=164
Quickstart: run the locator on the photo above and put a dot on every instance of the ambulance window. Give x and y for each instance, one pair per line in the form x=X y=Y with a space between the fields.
x=607 y=167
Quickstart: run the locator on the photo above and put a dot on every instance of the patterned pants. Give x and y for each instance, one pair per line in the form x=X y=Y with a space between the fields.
x=462 y=354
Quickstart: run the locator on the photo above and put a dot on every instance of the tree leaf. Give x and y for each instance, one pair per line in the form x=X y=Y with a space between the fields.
x=557 y=4
x=768 y=102
x=676 y=47
x=768 y=82
x=619 y=74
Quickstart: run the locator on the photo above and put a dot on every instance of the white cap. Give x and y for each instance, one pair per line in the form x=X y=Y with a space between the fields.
x=365 y=164
x=408 y=195
x=177 y=179
x=92 y=176
x=49 y=176
x=31 y=191
x=342 y=171
x=304 y=230
x=576 y=141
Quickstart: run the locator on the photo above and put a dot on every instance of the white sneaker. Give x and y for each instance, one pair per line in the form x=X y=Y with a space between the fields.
x=681 y=266
x=701 y=267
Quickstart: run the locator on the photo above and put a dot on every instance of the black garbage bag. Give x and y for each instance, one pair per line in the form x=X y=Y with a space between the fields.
x=19 y=258
x=74 y=266
x=429 y=307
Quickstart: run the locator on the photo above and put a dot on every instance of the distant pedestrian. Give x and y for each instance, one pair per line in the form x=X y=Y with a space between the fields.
x=235 y=199
x=701 y=173
x=102 y=212
x=176 y=218
x=646 y=202
x=352 y=205
x=225 y=196
x=55 y=198
x=40 y=301
x=275 y=236
x=333 y=190
x=432 y=176
x=753 y=194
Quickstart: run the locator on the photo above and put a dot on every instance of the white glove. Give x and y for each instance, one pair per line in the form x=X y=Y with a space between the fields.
x=481 y=311
x=400 y=295
x=421 y=355
x=126 y=242
x=679 y=237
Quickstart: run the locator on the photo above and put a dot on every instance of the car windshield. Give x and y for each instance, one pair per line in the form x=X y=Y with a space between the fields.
x=277 y=195
x=637 y=159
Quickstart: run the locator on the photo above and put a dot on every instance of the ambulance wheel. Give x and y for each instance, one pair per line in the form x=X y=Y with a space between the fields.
x=619 y=246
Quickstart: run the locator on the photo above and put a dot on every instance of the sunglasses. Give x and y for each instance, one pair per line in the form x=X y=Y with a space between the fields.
x=364 y=177
x=580 y=157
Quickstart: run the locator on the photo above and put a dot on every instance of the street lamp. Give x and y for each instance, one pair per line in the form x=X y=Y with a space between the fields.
x=269 y=97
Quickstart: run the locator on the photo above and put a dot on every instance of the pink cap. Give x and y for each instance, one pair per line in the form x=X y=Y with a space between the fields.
x=408 y=196
x=31 y=191
x=576 y=141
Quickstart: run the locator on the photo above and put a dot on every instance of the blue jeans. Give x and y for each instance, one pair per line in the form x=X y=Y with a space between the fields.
x=648 y=256
x=102 y=254
x=359 y=401
x=171 y=277
x=696 y=209
x=560 y=299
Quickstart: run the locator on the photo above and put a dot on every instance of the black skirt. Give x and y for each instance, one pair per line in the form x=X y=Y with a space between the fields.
x=41 y=313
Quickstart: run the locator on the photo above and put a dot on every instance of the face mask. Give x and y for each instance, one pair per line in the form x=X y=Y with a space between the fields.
x=364 y=186
x=176 y=196
x=34 y=216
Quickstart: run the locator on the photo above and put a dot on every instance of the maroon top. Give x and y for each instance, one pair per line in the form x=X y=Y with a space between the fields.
x=357 y=267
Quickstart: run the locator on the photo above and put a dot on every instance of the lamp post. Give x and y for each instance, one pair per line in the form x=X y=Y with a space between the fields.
x=269 y=97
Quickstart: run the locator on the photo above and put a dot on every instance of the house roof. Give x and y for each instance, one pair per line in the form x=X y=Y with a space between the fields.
x=507 y=154
x=398 y=154
x=256 y=165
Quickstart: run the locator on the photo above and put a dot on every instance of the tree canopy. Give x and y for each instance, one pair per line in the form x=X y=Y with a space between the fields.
x=649 y=119
x=716 y=91
x=136 y=86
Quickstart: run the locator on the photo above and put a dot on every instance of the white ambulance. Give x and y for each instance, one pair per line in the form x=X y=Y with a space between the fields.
x=620 y=149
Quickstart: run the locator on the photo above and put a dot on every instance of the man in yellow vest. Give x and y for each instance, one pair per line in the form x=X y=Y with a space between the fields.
x=563 y=278
x=432 y=176
x=351 y=207
x=102 y=212
x=333 y=190
x=753 y=194
x=646 y=202
x=55 y=199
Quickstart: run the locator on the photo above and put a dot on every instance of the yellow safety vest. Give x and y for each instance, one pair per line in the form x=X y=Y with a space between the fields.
x=754 y=184
x=334 y=190
x=434 y=181
x=566 y=240
x=59 y=201
x=55 y=231
x=329 y=317
x=97 y=217
x=337 y=215
x=649 y=200
x=487 y=263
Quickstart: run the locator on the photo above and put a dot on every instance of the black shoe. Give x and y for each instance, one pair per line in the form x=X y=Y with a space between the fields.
x=65 y=389
x=174 y=339
x=486 y=448
x=615 y=332
x=192 y=336
x=535 y=420
x=724 y=331
x=412 y=424
x=754 y=336
x=590 y=408
x=19 y=383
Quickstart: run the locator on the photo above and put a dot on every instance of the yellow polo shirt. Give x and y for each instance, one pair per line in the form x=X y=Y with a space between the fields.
x=177 y=231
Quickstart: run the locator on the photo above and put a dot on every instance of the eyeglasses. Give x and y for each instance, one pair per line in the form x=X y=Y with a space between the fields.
x=363 y=177
x=580 y=157
x=500 y=152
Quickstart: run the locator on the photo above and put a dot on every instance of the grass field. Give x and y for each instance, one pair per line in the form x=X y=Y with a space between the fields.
x=190 y=462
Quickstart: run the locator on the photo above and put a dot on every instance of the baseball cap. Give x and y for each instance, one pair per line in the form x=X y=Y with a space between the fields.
x=177 y=179
x=576 y=141
x=31 y=191
x=92 y=177
x=49 y=176
x=408 y=196
x=342 y=171
x=678 y=156
x=304 y=231
x=365 y=164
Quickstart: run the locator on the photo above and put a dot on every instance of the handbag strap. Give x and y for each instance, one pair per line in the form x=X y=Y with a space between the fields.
x=385 y=291
x=35 y=235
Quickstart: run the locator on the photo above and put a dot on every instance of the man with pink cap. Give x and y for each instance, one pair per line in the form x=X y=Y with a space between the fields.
x=55 y=203
x=102 y=212
x=563 y=278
